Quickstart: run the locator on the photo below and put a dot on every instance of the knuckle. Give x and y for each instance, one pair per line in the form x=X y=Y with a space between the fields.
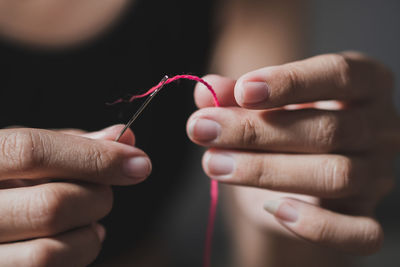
x=343 y=69
x=318 y=231
x=262 y=178
x=372 y=236
x=291 y=74
x=95 y=244
x=249 y=135
x=45 y=252
x=338 y=176
x=359 y=131
x=327 y=132
x=99 y=160
x=24 y=150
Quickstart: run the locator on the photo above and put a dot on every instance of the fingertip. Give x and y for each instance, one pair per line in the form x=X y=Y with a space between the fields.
x=203 y=127
x=128 y=138
x=202 y=96
x=222 y=86
x=353 y=234
x=137 y=168
x=100 y=231
x=374 y=240
x=206 y=160
x=219 y=165
x=252 y=90
x=282 y=210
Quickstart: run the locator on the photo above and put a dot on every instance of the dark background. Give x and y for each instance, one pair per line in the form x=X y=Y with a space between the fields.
x=69 y=89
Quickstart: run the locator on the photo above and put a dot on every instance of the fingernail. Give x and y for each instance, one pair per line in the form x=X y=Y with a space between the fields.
x=281 y=210
x=137 y=167
x=204 y=130
x=219 y=165
x=100 y=231
x=254 y=92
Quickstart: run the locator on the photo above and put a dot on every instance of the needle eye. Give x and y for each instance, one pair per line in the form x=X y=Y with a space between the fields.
x=142 y=107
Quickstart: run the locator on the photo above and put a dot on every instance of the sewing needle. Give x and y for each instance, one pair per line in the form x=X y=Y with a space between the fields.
x=142 y=107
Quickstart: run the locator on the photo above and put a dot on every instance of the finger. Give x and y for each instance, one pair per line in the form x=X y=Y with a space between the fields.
x=128 y=138
x=305 y=131
x=355 y=234
x=345 y=77
x=327 y=176
x=76 y=248
x=108 y=133
x=224 y=88
x=33 y=154
x=49 y=209
x=70 y=131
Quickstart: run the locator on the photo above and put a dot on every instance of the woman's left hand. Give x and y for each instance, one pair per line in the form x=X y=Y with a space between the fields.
x=323 y=130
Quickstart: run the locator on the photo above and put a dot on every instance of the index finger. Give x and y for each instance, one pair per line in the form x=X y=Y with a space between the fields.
x=41 y=154
x=345 y=77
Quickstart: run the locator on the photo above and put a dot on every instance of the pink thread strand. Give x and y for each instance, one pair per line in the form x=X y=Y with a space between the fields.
x=214 y=184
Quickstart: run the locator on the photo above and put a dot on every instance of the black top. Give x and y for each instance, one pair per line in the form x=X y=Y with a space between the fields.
x=69 y=88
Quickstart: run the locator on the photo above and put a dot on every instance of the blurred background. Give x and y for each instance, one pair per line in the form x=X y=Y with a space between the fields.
x=370 y=26
x=57 y=87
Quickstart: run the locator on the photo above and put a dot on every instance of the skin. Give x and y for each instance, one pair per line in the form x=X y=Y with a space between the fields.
x=55 y=186
x=318 y=160
x=313 y=159
x=339 y=157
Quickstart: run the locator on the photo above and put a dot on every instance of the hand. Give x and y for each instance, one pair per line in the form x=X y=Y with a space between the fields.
x=324 y=127
x=55 y=186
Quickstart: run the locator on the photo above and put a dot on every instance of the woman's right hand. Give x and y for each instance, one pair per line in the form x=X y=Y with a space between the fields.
x=55 y=186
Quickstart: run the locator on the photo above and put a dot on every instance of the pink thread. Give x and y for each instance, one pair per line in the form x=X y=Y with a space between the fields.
x=214 y=184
